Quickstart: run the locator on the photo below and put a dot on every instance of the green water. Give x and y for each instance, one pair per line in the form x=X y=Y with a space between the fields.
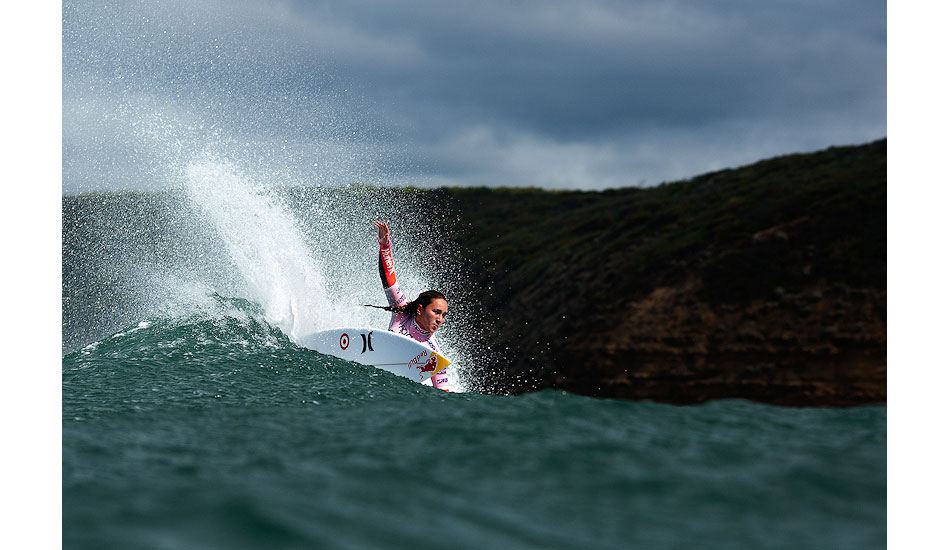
x=218 y=432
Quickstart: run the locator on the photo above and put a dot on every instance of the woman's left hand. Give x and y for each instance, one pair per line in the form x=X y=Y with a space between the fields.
x=383 y=236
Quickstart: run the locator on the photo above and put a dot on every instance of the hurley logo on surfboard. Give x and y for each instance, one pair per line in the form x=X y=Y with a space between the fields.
x=367 y=341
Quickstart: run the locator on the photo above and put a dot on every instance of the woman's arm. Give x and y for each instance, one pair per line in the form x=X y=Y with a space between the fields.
x=387 y=267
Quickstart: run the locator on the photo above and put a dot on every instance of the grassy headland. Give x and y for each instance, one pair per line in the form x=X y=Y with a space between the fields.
x=766 y=282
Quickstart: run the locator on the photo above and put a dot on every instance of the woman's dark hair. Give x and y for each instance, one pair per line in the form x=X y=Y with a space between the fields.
x=423 y=300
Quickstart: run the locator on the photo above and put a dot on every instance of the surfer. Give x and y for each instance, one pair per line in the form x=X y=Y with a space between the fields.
x=418 y=319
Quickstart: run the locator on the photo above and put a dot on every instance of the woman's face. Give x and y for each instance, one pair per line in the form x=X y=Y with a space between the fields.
x=432 y=316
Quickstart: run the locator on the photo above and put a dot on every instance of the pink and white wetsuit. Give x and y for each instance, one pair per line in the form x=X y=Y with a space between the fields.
x=405 y=323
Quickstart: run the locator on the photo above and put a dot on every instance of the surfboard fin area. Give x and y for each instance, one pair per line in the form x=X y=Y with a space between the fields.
x=382 y=349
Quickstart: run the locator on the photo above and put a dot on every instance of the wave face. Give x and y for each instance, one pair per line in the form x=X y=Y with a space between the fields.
x=213 y=430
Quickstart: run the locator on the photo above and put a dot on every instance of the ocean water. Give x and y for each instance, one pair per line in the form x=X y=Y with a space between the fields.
x=219 y=432
x=191 y=419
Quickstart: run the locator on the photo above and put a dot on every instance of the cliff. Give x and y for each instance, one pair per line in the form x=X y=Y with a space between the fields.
x=766 y=282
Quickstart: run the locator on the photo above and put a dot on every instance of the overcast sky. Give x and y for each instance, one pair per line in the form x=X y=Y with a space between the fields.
x=584 y=95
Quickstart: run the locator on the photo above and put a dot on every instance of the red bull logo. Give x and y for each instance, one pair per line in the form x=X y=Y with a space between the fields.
x=430 y=364
x=426 y=361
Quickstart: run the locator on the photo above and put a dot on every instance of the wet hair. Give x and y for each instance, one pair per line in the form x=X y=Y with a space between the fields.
x=423 y=300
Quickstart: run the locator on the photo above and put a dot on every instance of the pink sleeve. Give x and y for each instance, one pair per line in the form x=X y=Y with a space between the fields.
x=387 y=275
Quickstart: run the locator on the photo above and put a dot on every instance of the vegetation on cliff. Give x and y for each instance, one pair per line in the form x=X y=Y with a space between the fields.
x=764 y=282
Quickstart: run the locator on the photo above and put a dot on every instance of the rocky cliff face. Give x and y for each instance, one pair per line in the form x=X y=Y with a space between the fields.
x=765 y=283
x=826 y=346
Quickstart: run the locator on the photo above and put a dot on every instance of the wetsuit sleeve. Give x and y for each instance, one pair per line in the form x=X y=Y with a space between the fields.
x=387 y=267
x=387 y=275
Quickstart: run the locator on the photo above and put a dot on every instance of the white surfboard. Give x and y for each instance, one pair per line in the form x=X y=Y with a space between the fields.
x=379 y=348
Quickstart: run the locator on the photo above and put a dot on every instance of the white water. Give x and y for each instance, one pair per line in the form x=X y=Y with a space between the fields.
x=266 y=247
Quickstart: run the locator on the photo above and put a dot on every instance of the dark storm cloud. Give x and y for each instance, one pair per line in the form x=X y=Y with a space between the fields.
x=558 y=94
x=596 y=68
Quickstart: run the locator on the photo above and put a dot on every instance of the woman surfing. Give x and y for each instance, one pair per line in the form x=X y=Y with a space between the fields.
x=418 y=319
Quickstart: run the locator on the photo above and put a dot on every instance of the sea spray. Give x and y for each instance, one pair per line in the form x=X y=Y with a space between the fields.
x=265 y=246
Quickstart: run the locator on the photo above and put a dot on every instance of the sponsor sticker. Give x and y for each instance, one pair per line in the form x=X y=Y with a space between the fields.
x=344 y=341
x=430 y=365
x=421 y=361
